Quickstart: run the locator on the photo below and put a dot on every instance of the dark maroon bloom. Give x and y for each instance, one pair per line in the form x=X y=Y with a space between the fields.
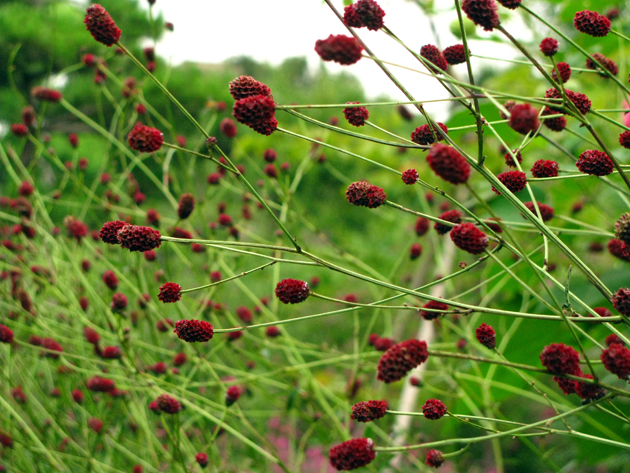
x=618 y=249
x=95 y=424
x=186 y=206
x=565 y=72
x=18 y=394
x=168 y=404
x=606 y=63
x=292 y=291
x=145 y=139
x=350 y=17
x=6 y=440
x=588 y=390
x=46 y=94
x=339 y=48
x=546 y=212
x=6 y=334
x=246 y=86
x=254 y=109
x=109 y=232
x=621 y=301
x=548 y=46
x=434 y=458
x=454 y=216
x=404 y=113
x=202 y=459
x=363 y=194
x=448 y=163
x=119 y=302
x=370 y=14
x=566 y=385
x=410 y=176
x=433 y=409
x=622 y=228
x=591 y=23
x=272 y=331
x=524 y=118
x=138 y=238
x=384 y=344
x=511 y=4
x=482 y=13
x=232 y=395
x=368 y=411
x=101 y=385
x=400 y=359
x=432 y=54
x=26 y=189
x=352 y=454
x=356 y=116
x=515 y=181
x=594 y=162
x=91 y=335
x=581 y=101
x=232 y=336
x=424 y=135
x=430 y=315
x=469 y=238
x=510 y=161
x=455 y=54
x=415 y=251
x=101 y=26
x=110 y=280
x=78 y=396
x=545 y=168
x=111 y=353
x=613 y=338
x=561 y=359
x=422 y=226
x=170 y=292
x=616 y=359
x=624 y=139
x=194 y=330
x=244 y=314
x=19 y=129
x=228 y=127
x=486 y=336
x=179 y=359
x=53 y=345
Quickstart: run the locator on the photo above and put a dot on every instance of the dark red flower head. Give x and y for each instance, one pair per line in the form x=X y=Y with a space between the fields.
x=400 y=359
x=588 y=390
x=515 y=181
x=339 y=48
x=510 y=161
x=119 y=302
x=608 y=64
x=415 y=251
x=292 y=291
x=430 y=315
x=433 y=409
x=422 y=226
x=482 y=13
x=370 y=14
x=363 y=194
x=621 y=301
x=616 y=359
x=432 y=54
x=561 y=359
x=170 y=292
x=434 y=458
x=524 y=118
x=110 y=279
x=624 y=139
x=368 y=411
x=454 y=216
x=448 y=163
x=511 y=4
x=581 y=101
x=594 y=162
x=548 y=46
x=455 y=54
x=138 y=238
x=618 y=249
x=486 y=336
x=46 y=94
x=468 y=237
x=186 y=206
x=356 y=116
x=410 y=176
x=145 y=139
x=168 y=404
x=352 y=454
x=53 y=345
x=564 y=70
x=91 y=335
x=109 y=232
x=232 y=395
x=100 y=385
x=622 y=228
x=19 y=129
x=350 y=17
x=101 y=26
x=202 y=459
x=254 y=110
x=194 y=330
x=111 y=353
x=78 y=396
x=546 y=212
x=423 y=135
x=6 y=334
x=545 y=168
x=591 y=23
x=228 y=127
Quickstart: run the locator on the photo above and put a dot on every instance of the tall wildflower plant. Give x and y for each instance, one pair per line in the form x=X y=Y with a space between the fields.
x=258 y=322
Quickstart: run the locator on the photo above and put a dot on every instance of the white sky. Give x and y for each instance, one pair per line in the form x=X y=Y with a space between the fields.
x=211 y=31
